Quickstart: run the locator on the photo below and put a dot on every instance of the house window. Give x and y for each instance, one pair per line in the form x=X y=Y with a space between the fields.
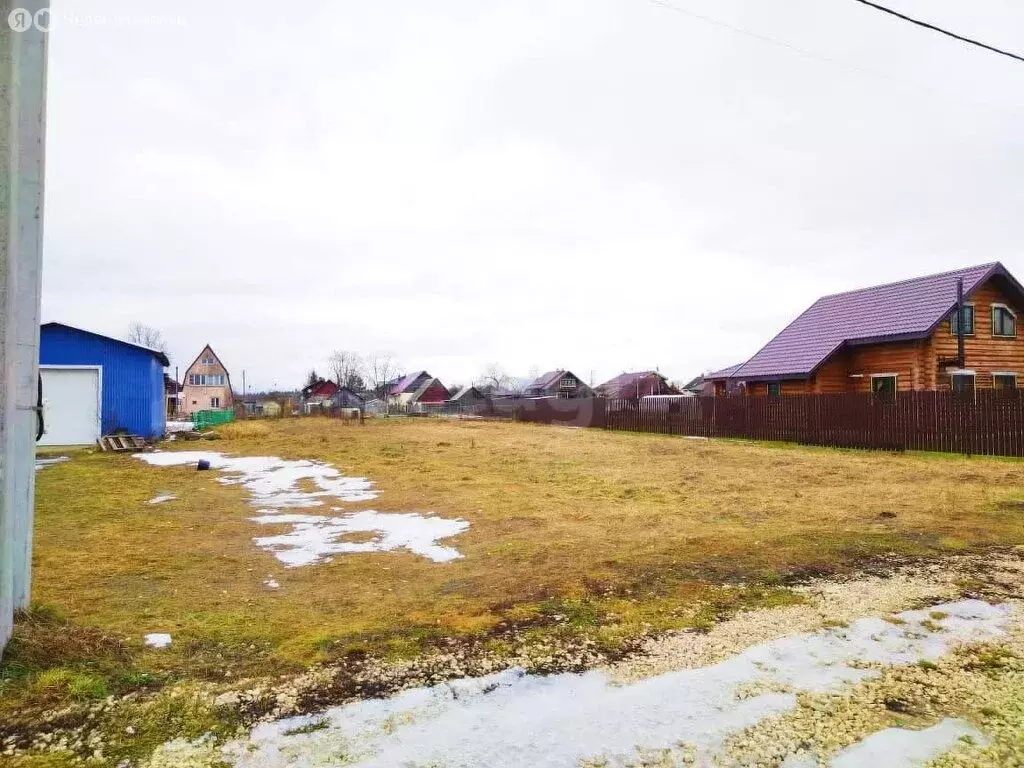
x=215 y=402
x=774 y=389
x=1004 y=381
x=207 y=361
x=954 y=321
x=1004 y=322
x=567 y=383
x=884 y=385
x=963 y=383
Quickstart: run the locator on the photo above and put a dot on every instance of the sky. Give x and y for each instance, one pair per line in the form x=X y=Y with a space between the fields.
x=597 y=185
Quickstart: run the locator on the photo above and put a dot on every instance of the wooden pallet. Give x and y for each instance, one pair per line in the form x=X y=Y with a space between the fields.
x=121 y=443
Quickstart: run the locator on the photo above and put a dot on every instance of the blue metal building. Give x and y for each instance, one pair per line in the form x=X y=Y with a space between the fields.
x=127 y=381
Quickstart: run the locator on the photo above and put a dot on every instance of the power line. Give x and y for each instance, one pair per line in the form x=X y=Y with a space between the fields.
x=814 y=55
x=940 y=30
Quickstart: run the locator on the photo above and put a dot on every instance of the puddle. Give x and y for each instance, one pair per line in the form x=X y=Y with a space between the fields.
x=276 y=484
x=514 y=719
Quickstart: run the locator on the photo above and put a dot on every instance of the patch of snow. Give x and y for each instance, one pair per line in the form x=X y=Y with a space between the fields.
x=158 y=639
x=162 y=498
x=314 y=538
x=178 y=426
x=902 y=748
x=42 y=463
x=271 y=583
x=514 y=719
x=273 y=484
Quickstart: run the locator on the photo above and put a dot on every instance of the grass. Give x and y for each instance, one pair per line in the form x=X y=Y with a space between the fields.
x=580 y=532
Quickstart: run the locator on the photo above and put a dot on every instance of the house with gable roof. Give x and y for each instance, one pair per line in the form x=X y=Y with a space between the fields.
x=633 y=386
x=559 y=383
x=418 y=387
x=904 y=336
x=207 y=384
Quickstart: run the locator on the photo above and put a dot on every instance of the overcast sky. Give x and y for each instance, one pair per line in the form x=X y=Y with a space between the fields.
x=600 y=185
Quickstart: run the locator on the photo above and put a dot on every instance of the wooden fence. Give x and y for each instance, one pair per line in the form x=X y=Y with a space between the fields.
x=986 y=422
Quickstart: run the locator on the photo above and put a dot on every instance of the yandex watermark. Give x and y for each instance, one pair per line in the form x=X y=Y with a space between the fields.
x=44 y=20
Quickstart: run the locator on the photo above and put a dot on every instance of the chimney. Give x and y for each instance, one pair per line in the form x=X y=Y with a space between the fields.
x=960 y=325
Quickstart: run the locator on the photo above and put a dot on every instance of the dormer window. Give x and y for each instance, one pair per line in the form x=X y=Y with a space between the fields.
x=568 y=382
x=1004 y=321
x=954 y=321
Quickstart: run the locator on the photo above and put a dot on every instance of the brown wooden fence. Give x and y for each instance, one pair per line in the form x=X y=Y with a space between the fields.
x=986 y=422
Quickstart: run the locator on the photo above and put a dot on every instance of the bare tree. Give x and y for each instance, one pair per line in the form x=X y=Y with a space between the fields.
x=345 y=366
x=494 y=378
x=146 y=336
x=380 y=368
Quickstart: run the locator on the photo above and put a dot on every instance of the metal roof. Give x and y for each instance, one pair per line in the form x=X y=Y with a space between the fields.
x=160 y=355
x=902 y=311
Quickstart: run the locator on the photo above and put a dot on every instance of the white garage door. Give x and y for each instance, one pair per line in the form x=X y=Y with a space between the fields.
x=71 y=405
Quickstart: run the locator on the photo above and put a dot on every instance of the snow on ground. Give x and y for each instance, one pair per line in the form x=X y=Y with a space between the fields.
x=313 y=538
x=898 y=747
x=515 y=719
x=42 y=463
x=273 y=484
x=179 y=426
x=162 y=498
x=271 y=583
x=157 y=639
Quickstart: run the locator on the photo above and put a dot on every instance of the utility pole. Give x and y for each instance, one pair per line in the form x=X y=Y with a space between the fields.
x=23 y=54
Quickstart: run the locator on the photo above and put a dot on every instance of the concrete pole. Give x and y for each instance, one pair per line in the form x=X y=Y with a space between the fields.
x=23 y=55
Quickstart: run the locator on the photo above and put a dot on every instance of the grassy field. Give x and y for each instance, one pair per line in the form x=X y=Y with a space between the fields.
x=608 y=535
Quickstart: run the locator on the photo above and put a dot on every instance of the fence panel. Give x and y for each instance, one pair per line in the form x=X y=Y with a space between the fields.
x=985 y=422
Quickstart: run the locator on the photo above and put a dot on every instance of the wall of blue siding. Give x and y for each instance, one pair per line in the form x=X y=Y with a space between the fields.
x=133 y=379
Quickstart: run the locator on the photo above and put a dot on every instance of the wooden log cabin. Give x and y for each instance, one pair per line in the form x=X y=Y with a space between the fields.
x=898 y=337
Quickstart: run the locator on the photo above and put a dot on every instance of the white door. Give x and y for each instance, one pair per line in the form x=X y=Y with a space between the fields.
x=71 y=405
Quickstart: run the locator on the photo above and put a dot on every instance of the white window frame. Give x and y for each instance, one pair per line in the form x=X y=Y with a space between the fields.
x=963 y=372
x=1012 y=314
x=215 y=402
x=1006 y=374
x=894 y=376
x=974 y=320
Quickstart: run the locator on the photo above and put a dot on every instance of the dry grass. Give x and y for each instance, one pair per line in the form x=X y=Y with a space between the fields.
x=607 y=533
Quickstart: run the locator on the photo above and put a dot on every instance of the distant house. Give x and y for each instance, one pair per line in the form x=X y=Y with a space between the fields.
x=95 y=385
x=346 y=398
x=636 y=385
x=468 y=396
x=322 y=390
x=207 y=384
x=404 y=389
x=172 y=390
x=564 y=384
x=417 y=388
x=694 y=386
x=897 y=337
x=317 y=396
x=260 y=405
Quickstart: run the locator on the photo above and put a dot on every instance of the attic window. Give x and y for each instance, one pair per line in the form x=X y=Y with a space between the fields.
x=567 y=383
x=207 y=361
x=1004 y=322
x=954 y=321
